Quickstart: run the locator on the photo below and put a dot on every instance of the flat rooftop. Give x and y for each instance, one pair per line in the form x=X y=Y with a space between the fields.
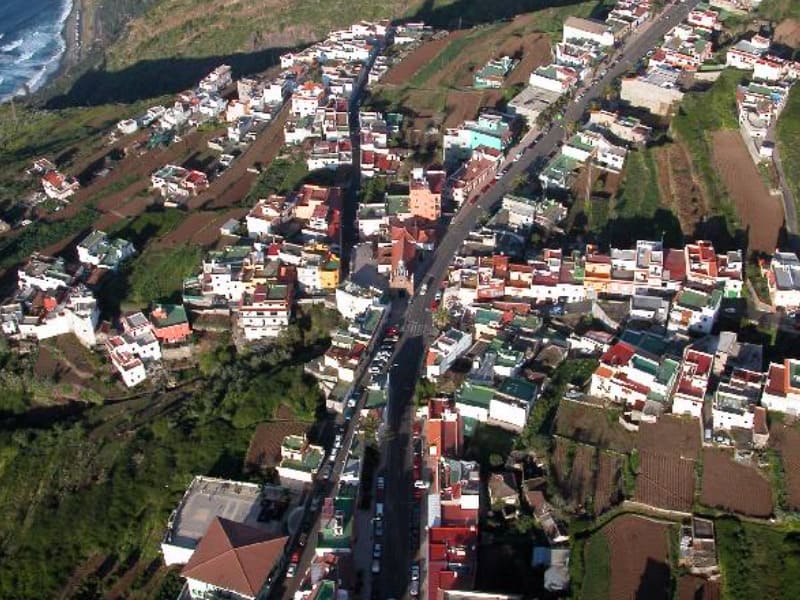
x=207 y=498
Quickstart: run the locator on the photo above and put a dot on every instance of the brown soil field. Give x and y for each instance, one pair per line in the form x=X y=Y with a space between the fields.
x=679 y=186
x=595 y=426
x=200 y=228
x=49 y=366
x=639 y=553
x=760 y=213
x=672 y=436
x=788 y=32
x=787 y=441
x=733 y=486
x=665 y=481
x=535 y=49
x=265 y=446
x=232 y=186
x=463 y=105
x=691 y=587
x=400 y=73
x=608 y=485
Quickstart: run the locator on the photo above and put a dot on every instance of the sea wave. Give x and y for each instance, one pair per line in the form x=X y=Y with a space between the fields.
x=35 y=54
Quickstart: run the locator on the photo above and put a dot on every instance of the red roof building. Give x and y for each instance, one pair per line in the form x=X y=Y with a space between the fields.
x=233 y=557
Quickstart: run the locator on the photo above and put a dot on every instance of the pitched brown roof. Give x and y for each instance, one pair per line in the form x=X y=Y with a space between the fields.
x=234 y=556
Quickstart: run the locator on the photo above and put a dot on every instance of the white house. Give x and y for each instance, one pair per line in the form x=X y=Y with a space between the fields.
x=783 y=280
x=782 y=388
x=694 y=311
x=448 y=347
x=576 y=28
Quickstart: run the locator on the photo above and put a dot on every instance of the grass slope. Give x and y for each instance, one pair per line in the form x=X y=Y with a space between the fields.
x=788 y=134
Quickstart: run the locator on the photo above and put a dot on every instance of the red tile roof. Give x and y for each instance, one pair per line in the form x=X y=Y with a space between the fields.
x=234 y=556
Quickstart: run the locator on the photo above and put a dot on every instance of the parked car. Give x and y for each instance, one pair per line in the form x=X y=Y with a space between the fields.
x=376 y=566
x=377 y=550
x=378 y=527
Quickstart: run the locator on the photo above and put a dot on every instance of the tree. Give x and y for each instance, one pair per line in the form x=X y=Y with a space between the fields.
x=424 y=390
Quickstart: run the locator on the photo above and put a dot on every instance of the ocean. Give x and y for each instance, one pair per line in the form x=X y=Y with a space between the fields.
x=31 y=43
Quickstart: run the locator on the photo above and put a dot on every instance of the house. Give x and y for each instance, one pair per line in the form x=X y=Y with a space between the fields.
x=512 y=403
x=493 y=73
x=234 y=560
x=133 y=350
x=41 y=313
x=265 y=312
x=300 y=460
x=170 y=323
x=444 y=430
x=735 y=400
x=626 y=128
x=445 y=350
x=217 y=80
x=58 y=186
x=592 y=145
x=307 y=98
x=531 y=102
x=491 y=129
x=98 y=250
x=576 y=28
x=782 y=387
x=556 y=561
x=336 y=523
x=692 y=384
x=694 y=311
x=472 y=401
x=473 y=175
x=425 y=193
x=783 y=280
x=266 y=215
x=205 y=499
x=554 y=78
x=745 y=53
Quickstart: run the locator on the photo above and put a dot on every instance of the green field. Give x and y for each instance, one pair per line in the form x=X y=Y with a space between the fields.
x=700 y=114
x=788 y=134
x=758 y=561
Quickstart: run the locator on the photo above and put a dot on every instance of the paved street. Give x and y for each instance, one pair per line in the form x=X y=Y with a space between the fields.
x=394 y=577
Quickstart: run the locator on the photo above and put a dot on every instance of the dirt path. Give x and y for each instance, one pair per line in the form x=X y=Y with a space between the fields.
x=761 y=214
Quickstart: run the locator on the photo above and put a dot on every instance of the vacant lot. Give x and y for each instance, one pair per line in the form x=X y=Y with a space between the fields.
x=264 y=451
x=679 y=186
x=672 y=436
x=759 y=212
x=590 y=425
x=786 y=440
x=574 y=467
x=734 y=486
x=639 y=556
x=665 y=481
x=400 y=73
x=608 y=485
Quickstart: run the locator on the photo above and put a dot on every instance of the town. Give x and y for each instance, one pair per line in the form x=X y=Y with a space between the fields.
x=502 y=396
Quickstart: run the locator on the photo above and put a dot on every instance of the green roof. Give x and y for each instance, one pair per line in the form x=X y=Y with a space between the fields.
x=667 y=371
x=648 y=366
x=475 y=394
x=519 y=389
x=485 y=316
x=326 y=590
x=175 y=314
x=693 y=299
x=327 y=537
x=794 y=374
x=294 y=442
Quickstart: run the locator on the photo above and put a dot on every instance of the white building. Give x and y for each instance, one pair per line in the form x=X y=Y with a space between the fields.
x=265 y=312
x=554 y=78
x=448 y=347
x=694 y=311
x=782 y=388
x=783 y=280
x=98 y=250
x=576 y=29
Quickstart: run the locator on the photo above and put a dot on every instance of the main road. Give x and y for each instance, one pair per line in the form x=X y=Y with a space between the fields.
x=398 y=553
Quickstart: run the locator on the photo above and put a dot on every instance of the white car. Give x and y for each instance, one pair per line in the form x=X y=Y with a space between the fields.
x=376 y=566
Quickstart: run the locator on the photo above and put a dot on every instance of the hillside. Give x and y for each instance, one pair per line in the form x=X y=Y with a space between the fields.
x=198 y=28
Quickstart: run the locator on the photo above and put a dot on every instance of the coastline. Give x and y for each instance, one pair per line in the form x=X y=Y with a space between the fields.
x=72 y=34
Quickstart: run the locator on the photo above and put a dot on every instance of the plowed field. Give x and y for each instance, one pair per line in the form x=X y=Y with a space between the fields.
x=639 y=558
x=760 y=213
x=733 y=486
x=665 y=481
